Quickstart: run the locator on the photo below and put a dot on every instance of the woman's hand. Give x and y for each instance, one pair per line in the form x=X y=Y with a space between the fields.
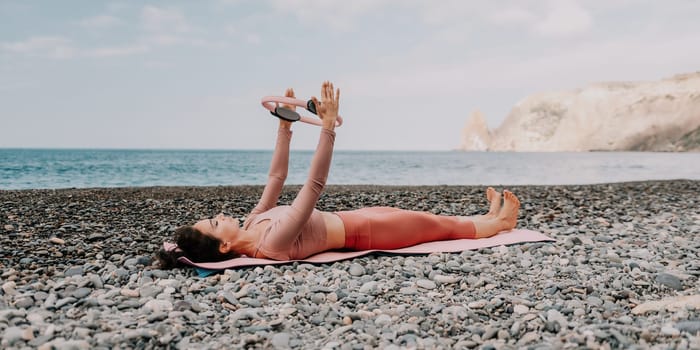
x=327 y=109
x=285 y=123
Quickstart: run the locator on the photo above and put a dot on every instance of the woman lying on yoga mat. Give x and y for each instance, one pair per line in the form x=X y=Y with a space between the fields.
x=299 y=230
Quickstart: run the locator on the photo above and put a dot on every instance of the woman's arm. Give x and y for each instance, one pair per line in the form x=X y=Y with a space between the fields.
x=278 y=172
x=285 y=230
x=279 y=165
x=320 y=165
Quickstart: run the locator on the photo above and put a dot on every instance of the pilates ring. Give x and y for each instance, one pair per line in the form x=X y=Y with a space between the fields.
x=272 y=104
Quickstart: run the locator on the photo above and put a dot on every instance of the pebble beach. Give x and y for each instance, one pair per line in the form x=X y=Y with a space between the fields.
x=77 y=271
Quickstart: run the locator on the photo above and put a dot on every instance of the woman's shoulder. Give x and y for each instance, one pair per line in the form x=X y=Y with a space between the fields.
x=269 y=214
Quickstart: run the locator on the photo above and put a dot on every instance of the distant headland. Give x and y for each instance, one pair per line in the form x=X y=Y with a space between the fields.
x=614 y=116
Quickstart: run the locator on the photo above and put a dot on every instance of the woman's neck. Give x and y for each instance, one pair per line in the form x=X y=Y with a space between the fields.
x=246 y=242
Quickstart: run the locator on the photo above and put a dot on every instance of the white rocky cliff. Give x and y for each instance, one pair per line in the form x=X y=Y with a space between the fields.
x=644 y=116
x=476 y=135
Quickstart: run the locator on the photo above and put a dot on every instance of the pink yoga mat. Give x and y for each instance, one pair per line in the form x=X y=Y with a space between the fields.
x=457 y=245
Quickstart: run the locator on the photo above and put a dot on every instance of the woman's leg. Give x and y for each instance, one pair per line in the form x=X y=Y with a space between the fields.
x=391 y=229
x=405 y=228
x=371 y=211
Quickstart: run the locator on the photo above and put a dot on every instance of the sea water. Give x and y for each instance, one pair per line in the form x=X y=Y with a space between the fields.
x=82 y=168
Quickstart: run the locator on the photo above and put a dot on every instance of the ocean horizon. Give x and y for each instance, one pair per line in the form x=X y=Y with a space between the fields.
x=38 y=168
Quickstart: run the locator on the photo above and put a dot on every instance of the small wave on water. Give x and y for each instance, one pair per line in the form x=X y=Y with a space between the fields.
x=60 y=168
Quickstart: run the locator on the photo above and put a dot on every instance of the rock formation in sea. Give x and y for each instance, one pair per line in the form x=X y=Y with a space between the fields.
x=616 y=116
x=476 y=135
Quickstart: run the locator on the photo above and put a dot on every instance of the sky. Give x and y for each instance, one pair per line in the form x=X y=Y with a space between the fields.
x=190 y=74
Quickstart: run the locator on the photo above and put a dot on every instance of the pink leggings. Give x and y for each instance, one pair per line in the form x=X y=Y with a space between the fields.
x=392 y=228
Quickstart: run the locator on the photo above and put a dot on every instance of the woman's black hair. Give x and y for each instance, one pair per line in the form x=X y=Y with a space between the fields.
x=194 y=245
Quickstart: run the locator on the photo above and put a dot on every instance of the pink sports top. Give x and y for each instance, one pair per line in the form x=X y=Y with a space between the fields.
x=296 y=231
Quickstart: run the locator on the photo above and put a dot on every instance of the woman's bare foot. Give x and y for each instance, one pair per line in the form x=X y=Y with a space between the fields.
x=506 y=219
x=494 y=198
x=509 y=212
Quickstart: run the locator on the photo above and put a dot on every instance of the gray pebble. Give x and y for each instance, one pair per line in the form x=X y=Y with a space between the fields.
x=426 y=284
x=555 y=316
x=50 y=301
x=479 y=304
x=12 y=335
x=669 y=281
x=692 y=327
x=318 y=298
x=81 y=292
x=95 y=280
x=251 y=302
x=229 y=297
x=65 y=301
x=144 y=260
x=9 y=288
x=489 y=333
x=149 y=291
x=356 y=270
x=446 y=279
x=281 y=340
x=182 y=305
x=61 y=344
x=81 y=333
x=74 y=271
x=382 y=320
x=669 y=330
x=120 y=273
x=625 y=319
x=594 y=301
x=157 y=316
x=332 y=345
x=24 y=303
x=371 y=288
x=408 y=290
x=40 y=340
x=161 y=274
x=520 y=309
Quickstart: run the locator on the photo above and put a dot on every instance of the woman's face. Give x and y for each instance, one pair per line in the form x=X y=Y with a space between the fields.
x=221 y=227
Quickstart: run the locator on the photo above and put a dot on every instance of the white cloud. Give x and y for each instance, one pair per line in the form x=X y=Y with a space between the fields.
x=240 y=30
x=564 y=18
x=556 y=19
x=117 y=51
x=565 y=67
x=253 y=38
x=102 y=21
x=163 y=39
x=512 y=15
x=63 y=48
x=51 y=46
x=159 y=64
x=231 y=29
x=168 y=27
x=117 y=6
x=157 y=19
x=14 y=86
x=449 y=11
x=229 y=2
x=337 y=15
